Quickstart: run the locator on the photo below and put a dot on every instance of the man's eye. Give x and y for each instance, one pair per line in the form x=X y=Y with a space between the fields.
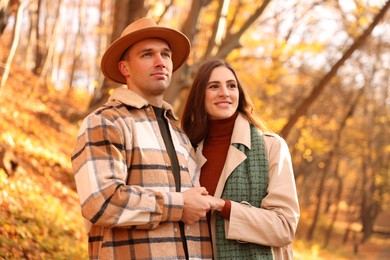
x=167 y=55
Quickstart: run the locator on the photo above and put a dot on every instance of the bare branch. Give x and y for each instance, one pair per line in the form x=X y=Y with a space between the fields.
x=231 y=41
x=306 y=103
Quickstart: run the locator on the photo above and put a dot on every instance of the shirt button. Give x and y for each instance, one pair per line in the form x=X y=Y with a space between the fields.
x=175 y=229
x=188 y=228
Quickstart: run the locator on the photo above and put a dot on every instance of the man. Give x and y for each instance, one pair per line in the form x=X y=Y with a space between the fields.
x=134 y=168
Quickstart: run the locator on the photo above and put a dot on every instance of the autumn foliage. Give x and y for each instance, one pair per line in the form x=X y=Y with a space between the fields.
x=317 y=72
x=39 y=209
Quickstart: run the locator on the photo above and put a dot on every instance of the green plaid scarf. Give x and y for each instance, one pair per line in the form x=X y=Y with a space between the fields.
x=248 y=182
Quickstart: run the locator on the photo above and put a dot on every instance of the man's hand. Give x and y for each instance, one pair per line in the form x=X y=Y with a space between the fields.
x=196 y=205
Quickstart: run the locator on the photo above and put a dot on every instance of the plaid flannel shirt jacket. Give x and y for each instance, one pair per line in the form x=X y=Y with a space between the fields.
x=126 y=186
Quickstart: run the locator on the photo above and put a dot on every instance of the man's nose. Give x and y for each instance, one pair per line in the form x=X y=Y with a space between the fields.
x=160 y=62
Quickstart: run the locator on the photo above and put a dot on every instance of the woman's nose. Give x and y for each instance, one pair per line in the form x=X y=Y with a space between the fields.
x=224 y=91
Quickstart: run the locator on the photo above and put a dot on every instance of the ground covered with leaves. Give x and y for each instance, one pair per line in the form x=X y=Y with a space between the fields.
x=39 y=208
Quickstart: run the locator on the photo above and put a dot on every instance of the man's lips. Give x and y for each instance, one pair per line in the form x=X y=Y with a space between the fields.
x=160 y=73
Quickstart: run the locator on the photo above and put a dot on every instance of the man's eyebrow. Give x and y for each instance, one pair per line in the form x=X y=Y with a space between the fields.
x=146 y=50
x=166 y=49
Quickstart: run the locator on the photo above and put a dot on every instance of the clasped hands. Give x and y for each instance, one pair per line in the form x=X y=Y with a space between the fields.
x=197 y=202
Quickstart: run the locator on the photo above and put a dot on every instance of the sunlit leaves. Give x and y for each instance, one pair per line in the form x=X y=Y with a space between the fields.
x=279 y=60
x=39 y=212
x=34 y=221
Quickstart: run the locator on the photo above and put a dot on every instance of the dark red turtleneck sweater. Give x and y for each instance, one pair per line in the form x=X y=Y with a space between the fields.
x=215 y=150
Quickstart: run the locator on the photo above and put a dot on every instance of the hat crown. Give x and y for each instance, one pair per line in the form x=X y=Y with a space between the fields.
x=139 y=25
x=139 y=30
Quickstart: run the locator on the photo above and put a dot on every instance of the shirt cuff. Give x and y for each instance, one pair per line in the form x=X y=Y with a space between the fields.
x=225 y=212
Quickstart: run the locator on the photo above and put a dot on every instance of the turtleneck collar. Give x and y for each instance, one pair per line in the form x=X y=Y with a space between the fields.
x=158 y=111
x=222 y=127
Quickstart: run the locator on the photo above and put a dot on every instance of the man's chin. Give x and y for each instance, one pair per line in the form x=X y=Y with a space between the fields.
x=160 y=90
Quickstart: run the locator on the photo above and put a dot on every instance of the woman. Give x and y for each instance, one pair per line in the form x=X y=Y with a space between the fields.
x=246 y=169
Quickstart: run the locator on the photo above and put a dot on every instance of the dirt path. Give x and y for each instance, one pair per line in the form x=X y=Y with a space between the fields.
x=374 y=251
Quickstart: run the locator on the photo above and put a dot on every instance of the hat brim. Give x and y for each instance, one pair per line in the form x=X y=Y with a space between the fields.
x=178 y=42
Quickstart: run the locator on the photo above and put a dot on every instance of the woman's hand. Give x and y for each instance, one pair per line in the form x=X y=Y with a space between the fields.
x=215 y=203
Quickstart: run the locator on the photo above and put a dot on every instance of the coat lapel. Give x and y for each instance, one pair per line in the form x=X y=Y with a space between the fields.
x=241 y=135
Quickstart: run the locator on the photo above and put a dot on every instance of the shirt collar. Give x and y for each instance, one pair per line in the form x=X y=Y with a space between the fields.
x=132 y=99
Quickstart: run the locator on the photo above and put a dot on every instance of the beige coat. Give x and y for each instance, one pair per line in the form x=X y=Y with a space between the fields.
x=274 y=222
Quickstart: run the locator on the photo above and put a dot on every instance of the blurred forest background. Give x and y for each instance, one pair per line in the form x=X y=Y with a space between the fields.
x=317 y=70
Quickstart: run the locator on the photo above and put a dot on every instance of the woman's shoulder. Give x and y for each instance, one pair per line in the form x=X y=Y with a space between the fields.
x=273 y=140
x=271 y=135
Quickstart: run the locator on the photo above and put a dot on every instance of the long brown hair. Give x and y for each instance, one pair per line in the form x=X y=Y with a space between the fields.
x=195 y=119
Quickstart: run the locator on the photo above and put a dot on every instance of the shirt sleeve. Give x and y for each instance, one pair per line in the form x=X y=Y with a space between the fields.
x=273 y=223
x=99 y=165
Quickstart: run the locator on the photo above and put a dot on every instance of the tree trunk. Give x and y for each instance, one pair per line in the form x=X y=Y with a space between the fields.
x=328 y=161
x=5 y=13
x=350 y=211
x=370 y=207
x=38 y=49
x=77 y=50
x=339 y=191
x=180 y=79
x=371 y=168
x=48 y=64
x=231 y=41
x=18 y=25
x=307 y=102
x=126 y=12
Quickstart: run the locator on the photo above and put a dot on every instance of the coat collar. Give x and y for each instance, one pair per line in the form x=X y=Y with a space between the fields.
x=130 y=98
x=241 y=135
x=241 y=131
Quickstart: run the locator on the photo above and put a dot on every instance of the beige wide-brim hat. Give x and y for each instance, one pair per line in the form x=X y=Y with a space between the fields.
x=140 y=30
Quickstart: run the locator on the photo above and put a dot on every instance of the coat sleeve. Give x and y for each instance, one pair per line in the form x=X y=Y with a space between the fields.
x=273 y=223
x=101 y=172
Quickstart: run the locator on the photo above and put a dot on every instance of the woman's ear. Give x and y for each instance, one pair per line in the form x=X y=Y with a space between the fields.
x=122 y=66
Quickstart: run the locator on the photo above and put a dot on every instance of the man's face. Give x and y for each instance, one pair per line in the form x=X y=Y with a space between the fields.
x=148 y=67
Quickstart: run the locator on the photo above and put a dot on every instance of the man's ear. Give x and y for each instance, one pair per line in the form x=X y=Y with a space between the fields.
x=122 y=66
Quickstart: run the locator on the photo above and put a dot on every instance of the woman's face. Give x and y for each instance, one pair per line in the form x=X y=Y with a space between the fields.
x=221 y=100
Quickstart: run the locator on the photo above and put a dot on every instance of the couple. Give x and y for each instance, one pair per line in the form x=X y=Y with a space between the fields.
x=144 y=191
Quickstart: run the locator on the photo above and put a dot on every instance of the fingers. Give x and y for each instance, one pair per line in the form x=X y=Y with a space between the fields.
x=215 y=203
x=204 y=191
x=200 y=190
x=196 y=204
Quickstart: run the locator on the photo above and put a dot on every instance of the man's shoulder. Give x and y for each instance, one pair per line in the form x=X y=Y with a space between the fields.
x=109 y=109
x=111 y=112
